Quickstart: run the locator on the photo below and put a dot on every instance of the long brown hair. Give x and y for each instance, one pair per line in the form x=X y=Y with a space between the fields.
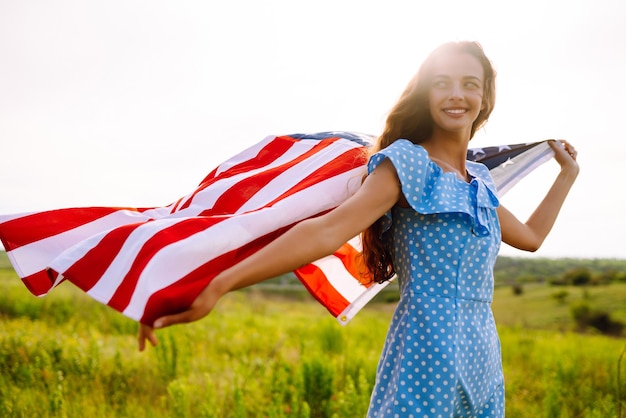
x=410 y=119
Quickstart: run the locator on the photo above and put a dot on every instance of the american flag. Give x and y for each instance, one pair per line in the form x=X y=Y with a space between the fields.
x=150 y=262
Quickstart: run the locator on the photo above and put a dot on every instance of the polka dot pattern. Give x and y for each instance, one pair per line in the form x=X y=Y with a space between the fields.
x=442 y=353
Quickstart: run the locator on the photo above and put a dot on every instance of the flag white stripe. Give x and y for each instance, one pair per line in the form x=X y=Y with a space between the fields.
x=38 y=255
x=361 y=300
x=508 y=175
x=207 y=197
x=339 y=278
x=292 y=176
x=244 y=156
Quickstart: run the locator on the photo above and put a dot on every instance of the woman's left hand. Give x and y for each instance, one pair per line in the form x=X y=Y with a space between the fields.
x=565 y=154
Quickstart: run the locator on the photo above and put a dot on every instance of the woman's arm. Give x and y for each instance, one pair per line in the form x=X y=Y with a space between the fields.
x=530 y=235
x=308 y=241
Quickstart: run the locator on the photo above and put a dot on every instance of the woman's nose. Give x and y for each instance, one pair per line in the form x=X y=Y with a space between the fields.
x=456 y=91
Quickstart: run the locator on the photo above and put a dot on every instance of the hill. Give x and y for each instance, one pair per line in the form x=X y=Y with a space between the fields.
x=513 y=269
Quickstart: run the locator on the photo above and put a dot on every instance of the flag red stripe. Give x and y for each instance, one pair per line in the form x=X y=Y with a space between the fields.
x=31 y=228
x=353 y=261
x=348 y=161
x=88 y=270
x=231 y=200
x=313 y=278
x=267 y=155
x=179 y=296
x=167 y=236
x=38 y=283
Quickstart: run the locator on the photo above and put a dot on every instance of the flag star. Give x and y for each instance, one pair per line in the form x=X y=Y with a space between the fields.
x=507 y=163
x=478 y=151
x=503 y=147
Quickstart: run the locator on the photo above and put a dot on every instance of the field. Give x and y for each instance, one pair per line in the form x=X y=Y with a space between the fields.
x=256 y=355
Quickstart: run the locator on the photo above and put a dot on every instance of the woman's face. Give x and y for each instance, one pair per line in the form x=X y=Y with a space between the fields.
x=456 y=92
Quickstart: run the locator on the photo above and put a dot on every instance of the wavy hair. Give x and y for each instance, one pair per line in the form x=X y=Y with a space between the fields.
x=410 y=119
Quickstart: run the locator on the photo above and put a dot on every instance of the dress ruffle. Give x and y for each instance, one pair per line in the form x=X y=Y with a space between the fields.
x=429 y=190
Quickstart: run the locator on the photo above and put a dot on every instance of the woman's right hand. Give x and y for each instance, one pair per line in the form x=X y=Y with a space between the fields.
x=200 y=307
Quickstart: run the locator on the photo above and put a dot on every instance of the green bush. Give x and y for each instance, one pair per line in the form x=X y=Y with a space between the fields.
x=560 y=296
x=586 y=316
x=580 y=276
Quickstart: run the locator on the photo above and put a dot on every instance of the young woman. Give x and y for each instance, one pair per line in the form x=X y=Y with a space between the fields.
x=434 y=219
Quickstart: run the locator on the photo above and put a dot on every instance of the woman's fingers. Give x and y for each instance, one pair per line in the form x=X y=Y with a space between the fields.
x=200 y=308
x=146 y=333
x=183 y=317
x=569 y=148
x=565 y=153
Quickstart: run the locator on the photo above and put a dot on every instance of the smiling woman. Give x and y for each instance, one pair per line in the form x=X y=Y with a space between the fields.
x=434 y=219
x=109 y=103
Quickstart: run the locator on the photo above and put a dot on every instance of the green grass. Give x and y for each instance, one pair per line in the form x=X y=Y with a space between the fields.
x=551 y=374
x=4 y=261
x=65 y=355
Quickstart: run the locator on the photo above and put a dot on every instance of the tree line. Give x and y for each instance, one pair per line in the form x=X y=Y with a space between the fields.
x=510 y=270
x=559 y=271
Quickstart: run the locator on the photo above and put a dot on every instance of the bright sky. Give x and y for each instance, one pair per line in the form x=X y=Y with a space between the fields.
x=132 y=103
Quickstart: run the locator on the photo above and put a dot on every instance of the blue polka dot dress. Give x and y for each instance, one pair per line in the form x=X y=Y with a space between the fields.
x=442 y=353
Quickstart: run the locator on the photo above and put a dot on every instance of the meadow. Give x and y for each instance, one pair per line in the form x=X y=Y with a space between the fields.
x=259 y=355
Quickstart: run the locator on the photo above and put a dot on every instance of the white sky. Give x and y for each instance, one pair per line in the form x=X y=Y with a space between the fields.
x=132 y=103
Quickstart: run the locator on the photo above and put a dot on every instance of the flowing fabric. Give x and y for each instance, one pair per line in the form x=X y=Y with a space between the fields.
x=150 y=262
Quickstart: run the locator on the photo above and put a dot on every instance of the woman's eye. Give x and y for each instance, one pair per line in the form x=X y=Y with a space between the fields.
x=440 y=84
